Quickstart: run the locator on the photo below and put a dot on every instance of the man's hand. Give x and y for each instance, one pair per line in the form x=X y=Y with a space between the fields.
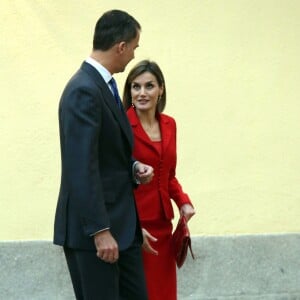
x=143 y=173
x=107 y=247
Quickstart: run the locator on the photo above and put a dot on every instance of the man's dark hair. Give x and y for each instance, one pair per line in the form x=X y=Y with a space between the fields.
x=114 y=27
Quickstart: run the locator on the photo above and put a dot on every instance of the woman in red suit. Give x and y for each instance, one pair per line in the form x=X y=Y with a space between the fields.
x=155 y=144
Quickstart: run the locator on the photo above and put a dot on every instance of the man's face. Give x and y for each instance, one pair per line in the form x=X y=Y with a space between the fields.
x=128 y=52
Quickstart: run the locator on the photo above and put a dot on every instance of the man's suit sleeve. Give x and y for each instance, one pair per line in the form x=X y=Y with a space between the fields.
x=81 y=123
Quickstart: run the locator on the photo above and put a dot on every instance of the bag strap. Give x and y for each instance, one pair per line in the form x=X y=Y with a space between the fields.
x=190 y=246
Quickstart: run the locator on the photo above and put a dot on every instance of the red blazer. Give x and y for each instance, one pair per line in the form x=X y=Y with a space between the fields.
x=154 y=199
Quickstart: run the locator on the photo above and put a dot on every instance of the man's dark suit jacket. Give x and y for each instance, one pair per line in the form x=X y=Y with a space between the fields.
x=96 y=189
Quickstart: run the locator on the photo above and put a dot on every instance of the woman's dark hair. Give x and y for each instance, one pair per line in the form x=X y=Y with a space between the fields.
x=140 y=68
x=114 y=27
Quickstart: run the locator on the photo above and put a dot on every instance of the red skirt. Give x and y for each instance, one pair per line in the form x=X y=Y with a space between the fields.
x=160 y=270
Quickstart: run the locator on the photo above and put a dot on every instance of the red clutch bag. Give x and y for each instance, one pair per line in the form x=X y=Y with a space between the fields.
x=181 y=241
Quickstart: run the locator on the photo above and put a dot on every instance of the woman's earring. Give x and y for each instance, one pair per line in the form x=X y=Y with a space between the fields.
x=132 y=105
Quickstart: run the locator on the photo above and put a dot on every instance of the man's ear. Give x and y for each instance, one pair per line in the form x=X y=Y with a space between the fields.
x=121 y=47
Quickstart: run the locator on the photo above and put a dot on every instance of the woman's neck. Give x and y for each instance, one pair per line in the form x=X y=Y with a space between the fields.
x=147 y=118
x=150 y=124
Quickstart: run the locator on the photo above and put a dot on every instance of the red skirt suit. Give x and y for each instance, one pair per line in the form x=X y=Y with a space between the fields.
x=154 y=203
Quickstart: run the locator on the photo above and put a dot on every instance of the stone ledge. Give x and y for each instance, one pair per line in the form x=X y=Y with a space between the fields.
x=240 y=267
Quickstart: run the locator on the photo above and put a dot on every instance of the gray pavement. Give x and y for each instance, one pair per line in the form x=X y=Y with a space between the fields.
x=239 y=267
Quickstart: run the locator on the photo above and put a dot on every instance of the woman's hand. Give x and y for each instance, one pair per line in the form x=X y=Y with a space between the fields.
x=146 y=244
x=187 y=210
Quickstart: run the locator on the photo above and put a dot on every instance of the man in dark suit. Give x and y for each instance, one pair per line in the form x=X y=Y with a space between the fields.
x=96 y=220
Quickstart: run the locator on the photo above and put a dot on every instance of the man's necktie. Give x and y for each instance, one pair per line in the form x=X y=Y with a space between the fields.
x=114 y=88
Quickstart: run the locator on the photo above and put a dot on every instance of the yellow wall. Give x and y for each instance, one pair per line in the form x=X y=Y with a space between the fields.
x=232 y=69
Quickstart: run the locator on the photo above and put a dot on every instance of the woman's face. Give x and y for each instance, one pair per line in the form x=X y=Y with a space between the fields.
x=145 y=92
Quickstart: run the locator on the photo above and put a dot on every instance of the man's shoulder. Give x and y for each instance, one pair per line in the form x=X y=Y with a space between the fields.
x=85 y=77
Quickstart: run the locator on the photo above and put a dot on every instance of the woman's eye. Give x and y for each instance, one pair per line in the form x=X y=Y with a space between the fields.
x=135 y=86
x=149 y=86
